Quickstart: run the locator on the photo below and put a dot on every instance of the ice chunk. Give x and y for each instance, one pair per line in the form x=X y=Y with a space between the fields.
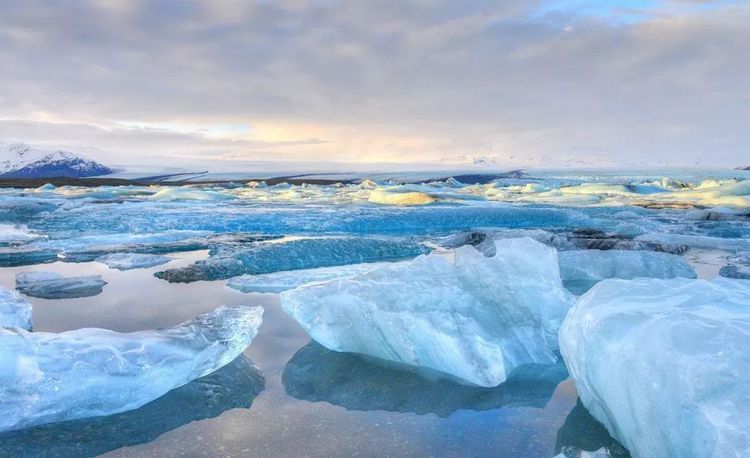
x=582 y=269
x=293 y=254
x=473 y=317
x=233 y=386
x=698 y=241
x=572 y=452
x=394 y=197
x=92 y=372
x=664 y=364
x=51 y=285
x=15 y=311
x=317 y=374
x=281 y=281
x=738 y=267
x=127 y=261
x=15 y=233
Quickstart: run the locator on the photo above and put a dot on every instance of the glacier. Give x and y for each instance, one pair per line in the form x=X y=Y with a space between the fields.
x=15 y=310
x=663 y=364
x=51 y=285
x=292 y=254
x=465 y=315
x=582 y=269
x=50 y=377
x=127 y=261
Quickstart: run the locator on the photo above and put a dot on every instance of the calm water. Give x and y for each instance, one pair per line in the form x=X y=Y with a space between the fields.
x=299 y=400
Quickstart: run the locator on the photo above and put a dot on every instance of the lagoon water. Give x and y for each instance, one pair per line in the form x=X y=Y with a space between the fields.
x=289 y=396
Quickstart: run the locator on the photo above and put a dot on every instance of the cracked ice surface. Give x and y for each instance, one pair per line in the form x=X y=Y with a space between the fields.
x=664 y=364
x=468 y=316
x=49 y=377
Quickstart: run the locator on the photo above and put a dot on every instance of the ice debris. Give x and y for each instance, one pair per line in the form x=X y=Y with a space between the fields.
x=51 y=285
x=664 y=364
x=475 y=318
x=50 y=377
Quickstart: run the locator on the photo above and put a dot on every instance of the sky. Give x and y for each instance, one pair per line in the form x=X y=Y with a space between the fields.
x=334 y=83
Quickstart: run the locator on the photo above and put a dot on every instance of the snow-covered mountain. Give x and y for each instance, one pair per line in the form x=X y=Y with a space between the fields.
x=19 y=160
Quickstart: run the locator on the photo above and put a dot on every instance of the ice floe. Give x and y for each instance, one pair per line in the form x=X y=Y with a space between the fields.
x=663 y=364
x=582 y=269
x=472 y=317
x=51 y=285
x=127 y=261
x=278 y=282
x=49 y=377
x=15 y=310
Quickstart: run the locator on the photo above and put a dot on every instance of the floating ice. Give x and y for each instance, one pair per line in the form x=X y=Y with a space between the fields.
x=582 y=269
x=293 y=254
x=51 y=285
x=92 y=372
x=738 y=267
x=15 y=233
x=698 y=241
x=15 y=311
x=473 y=317
x=127 y=261
x=281 y=281
x=233 y=386
x=664 y=364
x=386 y=197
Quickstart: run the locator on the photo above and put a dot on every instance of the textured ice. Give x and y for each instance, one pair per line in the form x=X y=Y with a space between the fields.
x=233 y=386
x=51 y=285
x=281 y=281
x=472 y=317
x=572 y=452
x=293 y=254
x=582 y=269
x=127 y=261
x=15 y=233
x=663 y=364
x=698 y=241
x=15 y=310
x=738 y=267
x=92 y=372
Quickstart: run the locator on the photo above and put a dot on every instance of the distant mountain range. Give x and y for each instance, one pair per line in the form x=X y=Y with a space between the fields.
x=20 y=160
x=744 y=168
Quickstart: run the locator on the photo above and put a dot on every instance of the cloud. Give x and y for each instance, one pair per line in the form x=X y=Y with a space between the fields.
x=379 y=81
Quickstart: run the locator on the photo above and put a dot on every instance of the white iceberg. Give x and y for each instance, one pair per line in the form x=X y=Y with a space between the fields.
x=665 y=364
x=472 y=317
x=278 y=282
x=127 y=261
x=51 y=285
x=582 y=269
x=49 y=377
x=15 y=311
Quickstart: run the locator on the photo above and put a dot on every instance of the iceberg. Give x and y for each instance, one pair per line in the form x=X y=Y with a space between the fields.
x=234 y=386
x=227 y=261
x=474 y=318
x=278 y=282
x=49 y=377
x=737 y=267
x=127 y=261
x=664 y=364
x=15 y=311
x=51 y=285
x=582 y=269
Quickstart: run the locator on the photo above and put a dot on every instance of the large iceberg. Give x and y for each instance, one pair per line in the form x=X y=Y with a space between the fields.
x=665 y=364
x=582 y=269
x=50 y=377
x=293 y=254
x=51 y=285
x=475 y=318
x=15 y=311
x=127 y=261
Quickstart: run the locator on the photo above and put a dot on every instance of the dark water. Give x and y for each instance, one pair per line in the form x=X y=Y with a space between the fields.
x=291 y=397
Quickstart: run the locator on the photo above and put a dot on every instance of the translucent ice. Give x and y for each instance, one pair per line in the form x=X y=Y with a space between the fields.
x=582 y=269
x=475 y=318
x=51 y=285
x=665 y=364
x=15 y=311
x=92 y=372
x=127 y=261
x=281 y=281
x=292 y=254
